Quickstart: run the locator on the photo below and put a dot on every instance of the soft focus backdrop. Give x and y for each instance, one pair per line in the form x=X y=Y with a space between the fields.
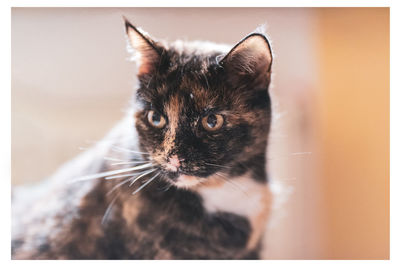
x=329 y=146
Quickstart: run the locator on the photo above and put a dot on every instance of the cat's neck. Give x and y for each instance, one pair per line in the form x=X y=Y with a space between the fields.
x=243 y=196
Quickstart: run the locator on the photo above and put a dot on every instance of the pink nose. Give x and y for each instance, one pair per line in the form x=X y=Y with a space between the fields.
x=173 y=163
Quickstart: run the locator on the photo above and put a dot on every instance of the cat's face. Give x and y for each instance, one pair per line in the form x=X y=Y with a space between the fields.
x=197 y=116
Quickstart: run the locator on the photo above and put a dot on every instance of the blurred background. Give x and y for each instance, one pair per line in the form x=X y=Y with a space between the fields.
x=329 y=146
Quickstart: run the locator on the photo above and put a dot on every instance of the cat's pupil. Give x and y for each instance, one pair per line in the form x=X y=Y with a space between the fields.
x=156 y=118
x=211 y=121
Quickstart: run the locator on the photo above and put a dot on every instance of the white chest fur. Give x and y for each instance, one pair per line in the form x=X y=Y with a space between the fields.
x=242 y=196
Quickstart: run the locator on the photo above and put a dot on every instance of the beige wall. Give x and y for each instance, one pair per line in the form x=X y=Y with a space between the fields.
x=71 y=82
x=353 y=131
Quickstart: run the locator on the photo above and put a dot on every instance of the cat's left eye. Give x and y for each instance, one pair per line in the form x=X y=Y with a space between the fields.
x=212 y=122
x=156 y=119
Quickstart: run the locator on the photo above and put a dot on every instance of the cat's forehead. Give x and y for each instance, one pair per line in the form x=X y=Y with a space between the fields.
x=190 y=94
x=191 y=81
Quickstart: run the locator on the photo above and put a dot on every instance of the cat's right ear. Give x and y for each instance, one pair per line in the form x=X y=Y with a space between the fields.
x=146 y=52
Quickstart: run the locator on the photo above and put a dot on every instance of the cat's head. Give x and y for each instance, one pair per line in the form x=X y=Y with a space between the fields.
x=202 y=110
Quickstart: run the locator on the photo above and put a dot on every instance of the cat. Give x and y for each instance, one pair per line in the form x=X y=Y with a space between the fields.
x=181 y=176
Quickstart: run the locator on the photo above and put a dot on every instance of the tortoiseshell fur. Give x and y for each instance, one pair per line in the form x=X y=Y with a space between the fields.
x=184 y=83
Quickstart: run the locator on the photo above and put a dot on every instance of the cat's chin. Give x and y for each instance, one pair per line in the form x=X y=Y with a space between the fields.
x=186 y=181
x=190 y=182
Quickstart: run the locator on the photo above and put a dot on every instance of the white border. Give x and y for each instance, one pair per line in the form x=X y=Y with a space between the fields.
x=5 y=131
x=200 y=3
x=394 y=133
x=5 y=114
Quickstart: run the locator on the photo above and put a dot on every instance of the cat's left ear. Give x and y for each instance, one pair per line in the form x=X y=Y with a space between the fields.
x=146 y=52
x=249 y=61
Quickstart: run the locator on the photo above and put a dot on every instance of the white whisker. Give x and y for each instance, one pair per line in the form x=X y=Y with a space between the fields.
x=289 y=155
x=301 y=153
x=230 y=182
x=167 y=187
x=216 y=165
x=121 y=149
x=129 y=162
x=118 y=176
x=140 y=176
x=124 y=175
x=104 y=174
x=119 y=185
x=108 y=210
x=113 y=159
x=146 y=183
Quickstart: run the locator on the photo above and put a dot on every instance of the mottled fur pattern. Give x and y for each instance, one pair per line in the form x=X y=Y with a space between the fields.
x=179 y=215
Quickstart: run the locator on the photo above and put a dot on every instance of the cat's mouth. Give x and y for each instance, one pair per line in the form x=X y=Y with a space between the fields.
x=181 y=173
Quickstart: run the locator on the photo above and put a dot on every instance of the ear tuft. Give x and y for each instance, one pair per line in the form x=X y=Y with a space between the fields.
x=250 y=60
x=145 y=51
x=261 y=29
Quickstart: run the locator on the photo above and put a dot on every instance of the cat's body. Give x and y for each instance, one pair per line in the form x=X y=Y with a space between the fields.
x=204 y=191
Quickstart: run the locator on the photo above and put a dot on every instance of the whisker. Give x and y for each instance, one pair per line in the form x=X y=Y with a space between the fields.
x=121 y=160
x=119 y=185
x=146 y=183
x=123 y=175
x=164 y=187
x=118 y=176
x=140 y=176
x=108 y=210
x=116 y=148
x=113 y=159
x=104 y=174
x=226 y=179
x=124 y=161
x=290 y=155
x=130 y=162
x=167 y=187
x=205 y=77
x=301 y=153
x=216 y=165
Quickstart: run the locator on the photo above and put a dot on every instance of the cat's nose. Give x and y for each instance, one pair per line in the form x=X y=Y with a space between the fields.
x=173 y=163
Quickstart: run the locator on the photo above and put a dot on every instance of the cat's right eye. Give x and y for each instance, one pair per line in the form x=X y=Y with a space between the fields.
x=212 y=122
x=156 y=119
